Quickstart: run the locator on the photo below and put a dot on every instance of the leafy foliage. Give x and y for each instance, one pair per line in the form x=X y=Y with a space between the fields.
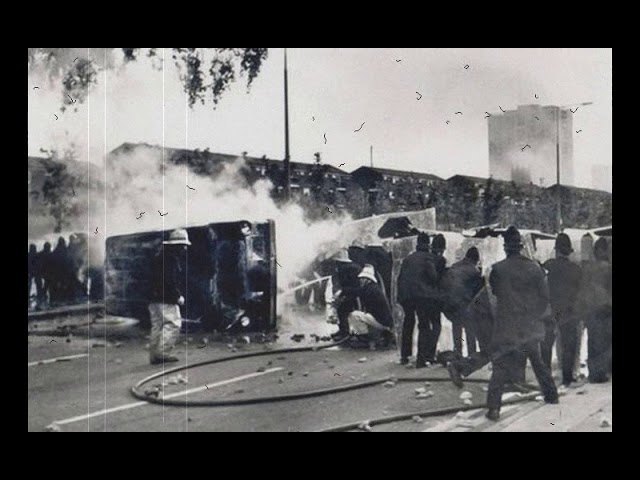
x=77 y=72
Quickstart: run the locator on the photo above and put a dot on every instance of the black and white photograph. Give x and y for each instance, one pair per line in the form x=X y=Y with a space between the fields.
x=319 y=240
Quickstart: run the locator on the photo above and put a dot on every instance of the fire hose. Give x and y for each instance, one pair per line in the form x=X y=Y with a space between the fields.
x=138 y=393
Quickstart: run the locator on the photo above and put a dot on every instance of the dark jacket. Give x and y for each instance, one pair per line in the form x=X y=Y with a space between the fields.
x=373 y=301
x=564 y=278
x=346 y=278
x=596 y=288
x=520 y=286
x=418 y=279
x=382 y=262
x=167 y=285
x=459 y=286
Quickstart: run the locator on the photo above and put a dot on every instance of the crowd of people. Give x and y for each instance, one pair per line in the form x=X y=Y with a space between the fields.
x=58 y=276
x=513 y=316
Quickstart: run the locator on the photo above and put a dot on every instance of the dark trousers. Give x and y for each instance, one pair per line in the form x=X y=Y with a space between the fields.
x=345 y=306
x=477 y=328
x=599 y=341
x=458 y=323
x=507 y=367
x=429 y=328
x=568 y=329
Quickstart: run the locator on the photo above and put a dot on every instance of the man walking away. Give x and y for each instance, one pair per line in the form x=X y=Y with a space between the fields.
x=373 y=317
x=418 y=295
x=167 y=296
x=522 y=295
x=564 y=277
x=459 y=286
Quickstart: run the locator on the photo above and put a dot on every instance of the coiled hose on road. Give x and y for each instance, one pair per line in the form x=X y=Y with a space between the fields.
x=137 y=393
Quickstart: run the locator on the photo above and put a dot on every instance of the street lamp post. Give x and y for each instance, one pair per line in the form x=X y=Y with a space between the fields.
x=287 y=168
x=559 y=200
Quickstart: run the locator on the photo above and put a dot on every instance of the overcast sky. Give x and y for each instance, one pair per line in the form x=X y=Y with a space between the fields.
x=342 y=88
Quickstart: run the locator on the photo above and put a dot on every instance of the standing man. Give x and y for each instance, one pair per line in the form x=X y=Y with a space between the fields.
x=418 y=294
x=460 y=284
x=168 y=290
x=438 y=246
x=564 y=277
x=598 y=296
x=522 y=296
x=43 y=278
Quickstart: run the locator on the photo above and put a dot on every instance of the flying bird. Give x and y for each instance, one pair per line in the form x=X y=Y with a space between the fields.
x=419 y=96
x=447 y=122
x=578 y=131
x=163 y=214
x=141 y=213
x=398 y=60
x=360 y=127
x=535 y=95
x=527 y=145
x=325 y=138
x=536 y=118
x=96 y=232
x=504 y=111
x=574 y=111
x=55 y=116
x=488 y=114
x=458 y=113
x=191 y=188
x=35 y=87
x=342 y=164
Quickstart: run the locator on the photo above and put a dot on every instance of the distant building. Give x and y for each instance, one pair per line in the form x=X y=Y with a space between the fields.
x=601 y=177
x=522 y=145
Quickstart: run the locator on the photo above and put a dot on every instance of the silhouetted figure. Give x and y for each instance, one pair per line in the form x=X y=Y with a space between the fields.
x=520 y=287
x=43 y=274
x=59 y=273
x=460 y=284
x=596 y=301
x=564 y=278
x=31 y=271
x=418 y=294
x=382 y=262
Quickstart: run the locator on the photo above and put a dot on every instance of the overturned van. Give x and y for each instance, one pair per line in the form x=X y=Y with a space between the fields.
x=230 y=276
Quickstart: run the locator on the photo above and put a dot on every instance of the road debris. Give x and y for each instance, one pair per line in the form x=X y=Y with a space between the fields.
x=428 y=394
x=466 y=395
x=417 y=419
x=389 y=384
x=365 y=426
x=467 y=401
x=53 y=427
x=605 y=422
x=362 y=360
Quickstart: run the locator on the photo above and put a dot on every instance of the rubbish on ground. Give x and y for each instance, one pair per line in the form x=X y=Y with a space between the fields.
x=421 y=390
x=428 y=394
x=365 y=426
x=466 y=395
x=467 y=401
x=389 y=384
x=53 y=427
x=581 y=392
x=417 y=419
x=362 y=360
x=539 y=398
x=297 y=337
x=261 y=369
x=427 y=384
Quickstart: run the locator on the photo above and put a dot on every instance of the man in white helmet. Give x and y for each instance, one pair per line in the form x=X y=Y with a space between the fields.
x=168 y=289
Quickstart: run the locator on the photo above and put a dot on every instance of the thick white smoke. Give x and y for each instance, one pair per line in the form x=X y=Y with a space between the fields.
x=136 y=183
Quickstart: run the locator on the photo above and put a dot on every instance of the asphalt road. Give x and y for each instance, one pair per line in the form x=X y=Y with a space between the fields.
x=75 y=393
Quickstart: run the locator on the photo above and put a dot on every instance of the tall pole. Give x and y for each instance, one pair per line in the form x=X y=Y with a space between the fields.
x=287 y=168
x=559 y=205
x=371 y=155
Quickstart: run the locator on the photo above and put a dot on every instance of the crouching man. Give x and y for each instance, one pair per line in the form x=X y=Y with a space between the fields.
x=168 y=287
x=372 y=320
